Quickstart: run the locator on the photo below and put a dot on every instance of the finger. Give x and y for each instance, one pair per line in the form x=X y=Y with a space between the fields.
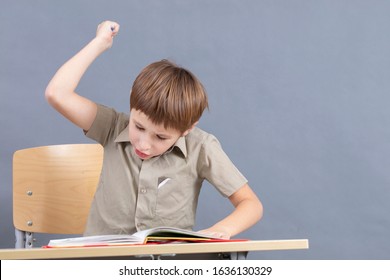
x=114 y=26
x=109 y=25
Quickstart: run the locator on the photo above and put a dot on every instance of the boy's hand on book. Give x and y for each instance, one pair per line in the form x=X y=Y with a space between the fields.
x=216 y=233
x=106 y=31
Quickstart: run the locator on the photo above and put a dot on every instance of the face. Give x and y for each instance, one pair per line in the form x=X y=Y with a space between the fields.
x=148 y=139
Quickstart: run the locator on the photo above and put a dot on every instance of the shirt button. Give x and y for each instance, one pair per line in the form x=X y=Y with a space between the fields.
x=143 y=190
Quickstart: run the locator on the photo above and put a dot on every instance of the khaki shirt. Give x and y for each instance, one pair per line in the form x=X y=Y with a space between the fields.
x=134 y=195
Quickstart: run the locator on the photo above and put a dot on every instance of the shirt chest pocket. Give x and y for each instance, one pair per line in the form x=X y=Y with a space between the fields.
x=176 y=200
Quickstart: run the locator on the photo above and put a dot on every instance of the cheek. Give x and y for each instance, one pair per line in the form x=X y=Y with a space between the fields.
x=164 y=146
x=158 y=148
x=133 y=136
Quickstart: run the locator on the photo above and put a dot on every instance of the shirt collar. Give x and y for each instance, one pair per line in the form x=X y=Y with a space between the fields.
x=123 y=136
x=180 y=143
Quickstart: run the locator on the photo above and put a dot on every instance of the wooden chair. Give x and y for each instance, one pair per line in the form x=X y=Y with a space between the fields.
x=53 y=187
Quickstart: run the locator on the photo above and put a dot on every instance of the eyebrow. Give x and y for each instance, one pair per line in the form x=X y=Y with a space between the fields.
x=162 y=135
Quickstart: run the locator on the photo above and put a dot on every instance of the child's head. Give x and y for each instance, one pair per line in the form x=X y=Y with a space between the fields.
x=169 y=95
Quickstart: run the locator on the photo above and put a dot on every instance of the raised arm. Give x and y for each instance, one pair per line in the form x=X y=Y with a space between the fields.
x=60 y=92
x=248 y=210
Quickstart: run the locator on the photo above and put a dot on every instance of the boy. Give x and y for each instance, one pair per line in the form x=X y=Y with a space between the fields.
x=156 y=159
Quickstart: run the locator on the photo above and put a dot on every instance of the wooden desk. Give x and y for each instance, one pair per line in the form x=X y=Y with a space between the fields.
x=236 y=250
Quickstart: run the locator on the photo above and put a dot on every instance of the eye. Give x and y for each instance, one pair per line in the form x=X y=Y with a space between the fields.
x=139 y=127
x=159 y=137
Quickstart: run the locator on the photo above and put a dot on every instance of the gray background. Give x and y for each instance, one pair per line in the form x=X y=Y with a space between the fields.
x=299 y=97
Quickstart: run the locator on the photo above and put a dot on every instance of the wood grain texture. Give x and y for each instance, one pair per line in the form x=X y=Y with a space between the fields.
x=53 y=187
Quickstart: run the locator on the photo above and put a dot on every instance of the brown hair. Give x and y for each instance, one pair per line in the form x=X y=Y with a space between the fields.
x=169 y=95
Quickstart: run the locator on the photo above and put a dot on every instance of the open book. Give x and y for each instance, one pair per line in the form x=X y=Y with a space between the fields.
x=153 y=235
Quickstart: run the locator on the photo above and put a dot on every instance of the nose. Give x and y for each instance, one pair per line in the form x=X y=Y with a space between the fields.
x=144 y=143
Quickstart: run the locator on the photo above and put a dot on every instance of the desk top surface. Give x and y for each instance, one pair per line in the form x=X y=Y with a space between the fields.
x=138 y=250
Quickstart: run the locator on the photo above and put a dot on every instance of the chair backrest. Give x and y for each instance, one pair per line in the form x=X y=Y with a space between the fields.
x=53 y=187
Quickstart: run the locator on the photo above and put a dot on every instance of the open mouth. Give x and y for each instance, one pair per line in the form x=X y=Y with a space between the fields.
x=141 y=154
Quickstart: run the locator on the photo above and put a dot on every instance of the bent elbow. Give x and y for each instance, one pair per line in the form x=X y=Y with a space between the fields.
x=49 y=94
x=260 y=210
x=52 y=95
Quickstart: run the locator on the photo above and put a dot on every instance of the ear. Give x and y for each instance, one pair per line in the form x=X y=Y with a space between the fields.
x=189 y=130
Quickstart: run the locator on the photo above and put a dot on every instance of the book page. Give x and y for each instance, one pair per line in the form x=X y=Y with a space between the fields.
x=141 y=237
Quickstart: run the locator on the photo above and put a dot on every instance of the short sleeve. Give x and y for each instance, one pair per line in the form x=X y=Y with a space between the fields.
x=217 y=168
x=103 y=125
